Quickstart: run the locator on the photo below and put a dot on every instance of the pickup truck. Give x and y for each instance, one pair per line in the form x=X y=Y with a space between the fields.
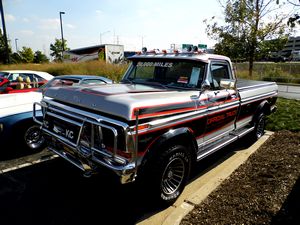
x=170 y=110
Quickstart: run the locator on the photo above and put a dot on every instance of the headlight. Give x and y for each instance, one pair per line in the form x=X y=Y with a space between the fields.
x=1 y=127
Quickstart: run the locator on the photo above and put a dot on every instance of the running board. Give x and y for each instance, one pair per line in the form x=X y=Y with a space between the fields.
x=221 y=143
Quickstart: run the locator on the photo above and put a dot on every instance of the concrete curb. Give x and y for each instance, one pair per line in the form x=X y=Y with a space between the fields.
x=200 y=188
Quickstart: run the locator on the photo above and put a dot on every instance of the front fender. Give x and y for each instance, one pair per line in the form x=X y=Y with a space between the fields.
x=182 y=135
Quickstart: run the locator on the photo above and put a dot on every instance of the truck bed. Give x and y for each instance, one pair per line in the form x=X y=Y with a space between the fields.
x=250 y=90
x=243 y=84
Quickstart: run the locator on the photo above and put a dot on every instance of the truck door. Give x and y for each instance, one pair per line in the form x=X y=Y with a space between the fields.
x=222 y=103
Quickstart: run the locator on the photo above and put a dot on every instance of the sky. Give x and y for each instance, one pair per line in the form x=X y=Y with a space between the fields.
x=132 y=23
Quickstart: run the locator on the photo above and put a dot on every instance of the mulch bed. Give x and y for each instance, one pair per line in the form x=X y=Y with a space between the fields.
x=264 y=190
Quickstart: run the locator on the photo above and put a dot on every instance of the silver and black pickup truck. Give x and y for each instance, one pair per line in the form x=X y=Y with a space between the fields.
x=169 y=111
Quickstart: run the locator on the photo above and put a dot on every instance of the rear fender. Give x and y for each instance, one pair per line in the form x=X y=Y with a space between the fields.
x=264 y=107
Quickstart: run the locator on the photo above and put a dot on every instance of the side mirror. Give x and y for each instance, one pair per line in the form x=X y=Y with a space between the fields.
x=205 y=85
x=227 y=84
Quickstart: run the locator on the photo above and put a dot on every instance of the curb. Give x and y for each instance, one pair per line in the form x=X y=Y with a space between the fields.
x=199 y=189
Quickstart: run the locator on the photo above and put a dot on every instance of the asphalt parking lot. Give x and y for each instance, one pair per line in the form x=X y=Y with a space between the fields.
x=54 y=192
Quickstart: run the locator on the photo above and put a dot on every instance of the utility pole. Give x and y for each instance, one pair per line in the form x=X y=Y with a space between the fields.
x=101 y=36
x=16 y=42
x=4 y=32
x=62 y=33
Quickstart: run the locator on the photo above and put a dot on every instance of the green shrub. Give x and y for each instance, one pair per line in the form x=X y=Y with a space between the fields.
x=287 y=116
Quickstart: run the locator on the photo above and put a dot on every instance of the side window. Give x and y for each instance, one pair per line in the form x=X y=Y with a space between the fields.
x=218 y=71
x=13 y=77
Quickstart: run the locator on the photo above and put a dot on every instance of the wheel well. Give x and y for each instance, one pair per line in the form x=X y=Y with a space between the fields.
x=264 y=107
x=183 y=137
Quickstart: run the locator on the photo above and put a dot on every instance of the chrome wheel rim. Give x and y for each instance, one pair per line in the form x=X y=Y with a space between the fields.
x=173 y=176
x=33 y=137
x=260 y=127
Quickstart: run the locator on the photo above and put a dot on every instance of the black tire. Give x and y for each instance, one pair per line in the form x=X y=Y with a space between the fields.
x=259 y=127
x=31 y=138
x=168 y=174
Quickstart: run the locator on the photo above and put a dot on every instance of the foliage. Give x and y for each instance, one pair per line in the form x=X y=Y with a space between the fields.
x=246 y=28
x=96 y=67
x=26 y=55
x=15 y=58
x=288 y=72
x=295 y=19
x=39 y=57
x=287 y=116
x=3 y=48
x=57 y=49
x=267 y=46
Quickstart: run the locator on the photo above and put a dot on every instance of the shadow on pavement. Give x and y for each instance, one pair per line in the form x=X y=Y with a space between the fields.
x=55 y=192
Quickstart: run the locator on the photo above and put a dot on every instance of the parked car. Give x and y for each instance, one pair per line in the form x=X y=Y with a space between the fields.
x=23 y=80
x=16 y=124
x=4 y=82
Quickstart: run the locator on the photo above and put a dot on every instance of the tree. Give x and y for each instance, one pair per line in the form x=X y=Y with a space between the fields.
x=295 y=19
x=3 y=49
x=247 y=24
x=15 y=58
x=266 y=47
x=57 y=49
x=26 y=55
x=39 y=57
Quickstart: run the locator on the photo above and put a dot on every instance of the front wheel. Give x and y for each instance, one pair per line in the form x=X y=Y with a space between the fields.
x=168 y=174
x=33 y=139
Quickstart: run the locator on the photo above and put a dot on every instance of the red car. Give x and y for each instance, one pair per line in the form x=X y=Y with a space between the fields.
x=18 y=81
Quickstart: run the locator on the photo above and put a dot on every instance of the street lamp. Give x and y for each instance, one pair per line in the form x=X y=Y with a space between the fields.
x=101 y=36
x=4 y=32
x=16 y=42
x=61 y=30
x=142 y=40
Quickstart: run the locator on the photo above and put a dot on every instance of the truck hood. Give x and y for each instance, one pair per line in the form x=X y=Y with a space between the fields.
x=123 y=100
x=11 y=104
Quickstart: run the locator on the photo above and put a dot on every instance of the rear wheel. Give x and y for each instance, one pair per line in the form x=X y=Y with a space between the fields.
x=259 y=127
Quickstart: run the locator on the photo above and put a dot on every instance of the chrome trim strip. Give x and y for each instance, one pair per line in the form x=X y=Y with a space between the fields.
x=214 y=138
x=34 y=113
x=245 y=132
x=258 y=97
x=64 y=119
x=165 y=122
x=206 y=153
x=256 y=86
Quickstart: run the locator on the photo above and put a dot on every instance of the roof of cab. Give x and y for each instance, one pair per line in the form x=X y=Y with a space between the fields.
x=186 y=55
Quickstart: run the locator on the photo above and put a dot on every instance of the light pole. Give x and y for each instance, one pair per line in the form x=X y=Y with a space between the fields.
x=16 y=42
x=62 y=33
x=4 y=32
x=143 y=40
x=101 y=36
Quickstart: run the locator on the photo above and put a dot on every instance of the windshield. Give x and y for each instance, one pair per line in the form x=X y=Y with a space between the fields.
x=186 y=74
x=4 y=74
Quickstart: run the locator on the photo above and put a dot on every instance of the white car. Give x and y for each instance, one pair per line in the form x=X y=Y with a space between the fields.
x=17 y=128
x=30 y=79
